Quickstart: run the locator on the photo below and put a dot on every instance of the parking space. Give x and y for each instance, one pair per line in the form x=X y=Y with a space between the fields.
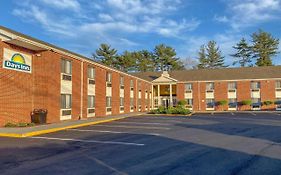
x=219 y=143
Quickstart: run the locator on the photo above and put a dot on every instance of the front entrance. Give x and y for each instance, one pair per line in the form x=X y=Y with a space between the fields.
x=166 y=102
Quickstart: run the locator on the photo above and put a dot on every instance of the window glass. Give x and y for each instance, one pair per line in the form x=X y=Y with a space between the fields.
x=91 y=72
x=232 y=85
x=255 y=85
x=278 y=84
x=108 y=77
x=121 y=101
x=108 y=101
x=189 y=102
x=91 y=101
x=122 y=81
x=65 y=101
x=232 y=103
x=66 y=66
x=209 y=86
x=210 y=103
x=188 y=86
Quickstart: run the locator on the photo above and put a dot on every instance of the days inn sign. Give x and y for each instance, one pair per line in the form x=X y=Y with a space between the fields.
x=16 y=61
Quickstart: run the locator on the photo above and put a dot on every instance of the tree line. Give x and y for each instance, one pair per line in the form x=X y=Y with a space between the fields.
x=162 y=58
x=258 y=52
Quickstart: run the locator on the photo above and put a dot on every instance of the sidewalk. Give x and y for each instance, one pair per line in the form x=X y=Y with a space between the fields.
x=48 y=128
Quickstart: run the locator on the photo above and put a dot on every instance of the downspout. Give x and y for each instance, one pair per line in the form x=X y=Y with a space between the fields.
x=199 y=96
x=81 y=91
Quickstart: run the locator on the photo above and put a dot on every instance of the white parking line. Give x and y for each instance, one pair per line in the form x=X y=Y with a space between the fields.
x=141 y=123
x=253 y=113
x=232 y=113
x=140 y=127
x=112 y=132
x=89 y=141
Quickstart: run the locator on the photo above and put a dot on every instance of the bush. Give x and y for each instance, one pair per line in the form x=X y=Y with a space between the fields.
x=181 y=103
x=222 y=102
x=171 y=110
x=21 y=124
x=246 y=102
x=267 y=102
x=9 y=125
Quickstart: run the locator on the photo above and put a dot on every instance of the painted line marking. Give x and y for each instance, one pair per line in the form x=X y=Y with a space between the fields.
x=112 y=132
x=90 y=141
x=232 y=113
x=140 y=123
x=253 y=113
x=140 y=127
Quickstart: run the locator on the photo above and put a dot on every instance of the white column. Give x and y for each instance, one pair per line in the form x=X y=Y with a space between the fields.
x=152 y=98
x=171 y=95
x=158 y=95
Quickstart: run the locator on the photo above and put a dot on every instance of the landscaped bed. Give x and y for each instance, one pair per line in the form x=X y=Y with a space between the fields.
x=179 y=109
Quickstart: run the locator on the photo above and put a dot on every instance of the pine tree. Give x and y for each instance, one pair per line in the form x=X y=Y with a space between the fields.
x=203 y=61
x=265 y=46
x=243 y=53
x=215 y=58
x=126 y=62
x=144 y=61
x=165 y=58
x=106 y=55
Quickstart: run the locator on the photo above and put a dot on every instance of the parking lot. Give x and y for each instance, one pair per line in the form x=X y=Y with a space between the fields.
x=219 y=143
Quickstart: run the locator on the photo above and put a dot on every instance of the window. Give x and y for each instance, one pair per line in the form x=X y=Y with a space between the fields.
x=65 y=101
x=108 y=102
x=210 y=103
x=255 y=85
x=278 y=84
x=66 y=67
x=121 y=101
x=91 y=75
x=91 y=101
x=209 y=86
x=188 y=87
x=132 y=84
x=131 y=103
x=156 y=102
x=256 y=101
x=122 y=82
x=231 y=85
x=91 y=72
x=139 y=85
x=108 y=77
x=189 y=102
x=232 y=103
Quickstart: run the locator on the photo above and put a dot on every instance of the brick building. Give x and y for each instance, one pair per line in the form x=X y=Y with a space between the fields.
x=38 y=75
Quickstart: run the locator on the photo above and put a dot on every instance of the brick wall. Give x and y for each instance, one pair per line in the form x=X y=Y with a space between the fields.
x=127 y=94
x=268 y=93
x=115 y=93
x=243 y=93
x=220 y=94
x=180 y=91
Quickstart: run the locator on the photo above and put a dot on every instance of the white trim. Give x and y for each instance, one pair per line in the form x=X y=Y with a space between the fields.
x=202 y=81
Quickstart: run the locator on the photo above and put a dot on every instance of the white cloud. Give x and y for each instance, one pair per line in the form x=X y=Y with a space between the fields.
x=105 y=17
x=246 y=13
x=63 y=4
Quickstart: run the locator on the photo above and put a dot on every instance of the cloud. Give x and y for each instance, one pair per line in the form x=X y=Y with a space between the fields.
x=105 y=17
x=247 y=13
x=63 y=4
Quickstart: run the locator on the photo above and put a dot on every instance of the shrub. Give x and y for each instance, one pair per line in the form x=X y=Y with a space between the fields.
x=21 y=124
x=171 y=110
x=246 y=102
x=267 y=102
x=181 y=103
x=222 y=102
x=9 y=124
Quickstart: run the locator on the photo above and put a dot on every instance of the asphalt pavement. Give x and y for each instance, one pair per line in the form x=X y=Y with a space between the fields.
x=224 y=144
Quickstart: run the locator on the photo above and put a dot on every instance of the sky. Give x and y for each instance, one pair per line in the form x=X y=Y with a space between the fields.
x=82 y=25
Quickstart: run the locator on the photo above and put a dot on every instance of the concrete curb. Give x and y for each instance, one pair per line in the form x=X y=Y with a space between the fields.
x=34 y=133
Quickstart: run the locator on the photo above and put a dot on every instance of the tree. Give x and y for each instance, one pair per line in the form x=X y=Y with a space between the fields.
x=265 y=46
x=125 y=62
x=214 y=55
x=203 y=60
x=210 y=56
x=144 y=61
x=165 y=58
x=106 y=55
x=243 y=53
